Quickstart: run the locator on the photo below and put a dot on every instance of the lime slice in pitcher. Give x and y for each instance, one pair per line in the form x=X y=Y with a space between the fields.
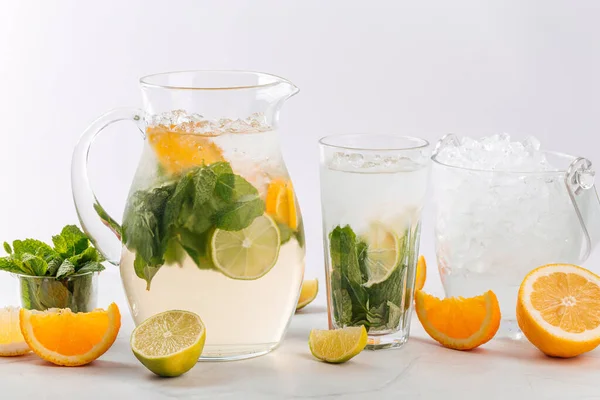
x=248 y=253
x=383 y=253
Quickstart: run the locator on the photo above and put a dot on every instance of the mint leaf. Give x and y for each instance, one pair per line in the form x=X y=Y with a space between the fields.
x=361 y=251
x=52 y=293
x=53 y=266
x=7 y=248
x=108 y=221
x=221 y=167
x=182 y=198
x=197 y=248
x=66 y=268
x=143 y=227
x=76 y=241
x=92 y=266
x=205 y=180
x=285 y=232
x=144 y=270
x=243 y=203
x=240 y=215
x=342 y=244
x=7 y=264
x=232 y=188
x=30 y=246
x=60 y=245
x=389 y=290
x=174 y=253
x=394 y=315
x=34 y=263
x=300 y=233
x=81 y=259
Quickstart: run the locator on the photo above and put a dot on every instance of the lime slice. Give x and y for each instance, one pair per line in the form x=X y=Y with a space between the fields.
x=169 y=343
x=383 y=253
x=338 y=345
x=248 y=253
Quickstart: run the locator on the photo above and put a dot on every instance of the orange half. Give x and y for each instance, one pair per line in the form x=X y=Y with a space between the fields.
x=558 y=309
x=70 y=339
x=459 y=323
x=281 y=202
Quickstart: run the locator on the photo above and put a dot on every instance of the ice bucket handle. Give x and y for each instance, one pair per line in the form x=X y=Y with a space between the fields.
x=582 y=190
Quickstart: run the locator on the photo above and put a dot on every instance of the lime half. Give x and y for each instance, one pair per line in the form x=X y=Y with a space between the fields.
x=383 y=253
x=248 y=253
x=338 y=345
x=169 y=343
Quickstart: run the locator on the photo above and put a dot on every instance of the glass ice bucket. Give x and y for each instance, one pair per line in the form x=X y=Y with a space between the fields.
x=493 y=227
x=211 y=224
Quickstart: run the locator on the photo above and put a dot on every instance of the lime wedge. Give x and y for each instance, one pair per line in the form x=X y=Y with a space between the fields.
x=169 y=343
x=383 y=253
x=308 y=293
x=338 y=345
x=248 y=253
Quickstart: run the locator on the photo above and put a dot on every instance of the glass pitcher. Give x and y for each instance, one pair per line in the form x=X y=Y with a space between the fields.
x=211 y=224
x=493 y=227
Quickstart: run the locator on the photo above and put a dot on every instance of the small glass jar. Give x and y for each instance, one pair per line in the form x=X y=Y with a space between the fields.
x=77 y=292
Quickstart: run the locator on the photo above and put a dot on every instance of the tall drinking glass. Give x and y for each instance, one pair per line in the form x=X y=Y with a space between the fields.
x=372 y=192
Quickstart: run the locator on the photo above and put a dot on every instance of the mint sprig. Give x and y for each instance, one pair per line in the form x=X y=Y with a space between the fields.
x=378 y=306
x=162 y=223
x=72 y=252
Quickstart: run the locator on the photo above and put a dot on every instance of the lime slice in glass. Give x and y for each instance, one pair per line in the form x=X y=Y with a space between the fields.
x=383 y=253
x=169 y=343
x=338 y=345
x=248 y=253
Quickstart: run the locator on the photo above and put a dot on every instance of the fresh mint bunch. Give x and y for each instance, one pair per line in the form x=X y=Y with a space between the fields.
x=72 y=254
x=378 y=306
x=161 y=224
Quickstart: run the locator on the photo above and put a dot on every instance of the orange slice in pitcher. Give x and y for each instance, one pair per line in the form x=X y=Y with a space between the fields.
x=63 y=337
x=281 y=202
x=558 y=309
x=179 y=151
x=459 y=323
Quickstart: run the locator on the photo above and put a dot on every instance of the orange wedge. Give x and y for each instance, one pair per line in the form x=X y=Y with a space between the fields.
x=178 y=151
x=308 y=293
x=558 y=309
x=421 y=273
x=457 y=322
x=70 y=339
x=281 y=202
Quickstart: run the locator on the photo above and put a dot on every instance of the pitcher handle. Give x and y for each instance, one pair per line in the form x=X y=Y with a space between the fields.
x=580 y=185
x=93 y=218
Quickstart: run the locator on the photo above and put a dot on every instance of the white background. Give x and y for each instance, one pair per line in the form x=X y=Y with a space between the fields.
x=422 y=68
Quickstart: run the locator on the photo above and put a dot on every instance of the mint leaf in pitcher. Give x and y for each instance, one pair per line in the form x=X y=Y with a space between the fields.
x=161 y=222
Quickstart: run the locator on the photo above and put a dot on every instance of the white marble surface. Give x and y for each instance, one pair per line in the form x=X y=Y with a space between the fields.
x=501 y=369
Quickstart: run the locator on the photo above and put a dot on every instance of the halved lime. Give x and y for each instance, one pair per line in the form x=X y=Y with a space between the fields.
x=248 y=253
x=383 y=253
x=169 y=343
x=338 y=345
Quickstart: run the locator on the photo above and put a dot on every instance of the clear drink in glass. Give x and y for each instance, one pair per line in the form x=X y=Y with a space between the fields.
x=372 y=192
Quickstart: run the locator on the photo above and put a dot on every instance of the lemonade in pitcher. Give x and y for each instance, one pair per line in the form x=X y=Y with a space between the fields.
x=212 y=223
